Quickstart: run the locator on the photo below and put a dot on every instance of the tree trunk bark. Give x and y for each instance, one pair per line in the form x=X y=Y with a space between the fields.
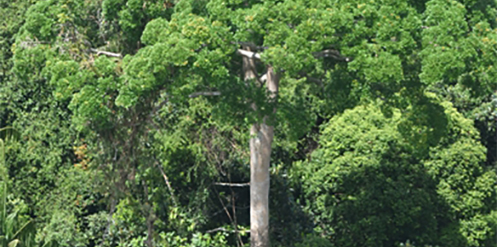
x=260 y=155
x=260 y=152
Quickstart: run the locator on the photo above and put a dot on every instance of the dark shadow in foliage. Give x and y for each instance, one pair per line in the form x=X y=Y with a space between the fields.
x=386 y=204
x=424 y=124
x=287 y=219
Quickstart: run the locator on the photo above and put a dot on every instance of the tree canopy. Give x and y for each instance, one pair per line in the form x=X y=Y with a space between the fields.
x=180 y=123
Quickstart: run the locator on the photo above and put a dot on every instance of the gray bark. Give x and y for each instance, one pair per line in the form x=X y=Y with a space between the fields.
x=260 y=155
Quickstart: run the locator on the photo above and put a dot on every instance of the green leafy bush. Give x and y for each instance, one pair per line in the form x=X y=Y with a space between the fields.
x=368 y=186
x=16 y=227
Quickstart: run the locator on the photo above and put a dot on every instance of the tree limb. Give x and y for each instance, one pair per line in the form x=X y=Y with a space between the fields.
x=263 y=78
x=31 y=43
x=167 y=183
x=107 y=53
x=329 y=53
x=222 y=229
x=233 y=184
x=194 y=95
x=249 y=54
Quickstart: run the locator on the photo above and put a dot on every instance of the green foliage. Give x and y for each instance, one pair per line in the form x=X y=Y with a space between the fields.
x=16 y=227
x=12 y=13
x=112 y=151
x=367 y=185
x=198 y=240
x=459 y=61
x=127 y=19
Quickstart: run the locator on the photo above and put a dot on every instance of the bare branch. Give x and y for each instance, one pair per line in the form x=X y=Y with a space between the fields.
x=222 y=229
x=263 y=78
x=107 y=53
x=249 y=54
x=194 y=95
x=167 y=183
x=30 y=43
x=233 y=184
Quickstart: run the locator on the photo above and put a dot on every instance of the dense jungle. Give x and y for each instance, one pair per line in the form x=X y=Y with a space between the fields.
x=216 y=123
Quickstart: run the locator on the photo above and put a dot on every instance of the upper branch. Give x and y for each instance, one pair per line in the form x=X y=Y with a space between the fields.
x=194 y=95
x=249 y=54
x=335 y=54
x=107 y=53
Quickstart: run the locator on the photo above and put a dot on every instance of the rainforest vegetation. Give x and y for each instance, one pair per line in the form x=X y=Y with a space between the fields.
x=216 y=123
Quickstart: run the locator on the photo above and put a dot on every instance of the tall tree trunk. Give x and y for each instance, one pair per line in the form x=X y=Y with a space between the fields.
x=260 y=156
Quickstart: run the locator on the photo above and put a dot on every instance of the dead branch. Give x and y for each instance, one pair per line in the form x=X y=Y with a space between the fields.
x=233 y=184
x=30 y=43
x=195 y=95
x=222 y=229
x=168 y=184
x=249 y=54
x=107 y=53
x=263 y=78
